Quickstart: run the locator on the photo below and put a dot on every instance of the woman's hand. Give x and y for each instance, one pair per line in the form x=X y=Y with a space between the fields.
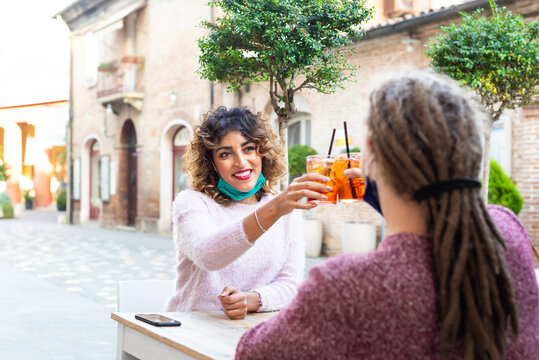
x=310 y=185
x=353 y=173
x=236 y=304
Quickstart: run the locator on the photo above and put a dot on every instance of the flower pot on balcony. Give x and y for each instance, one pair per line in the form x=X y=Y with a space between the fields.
x=312 y=230
x=358 y=237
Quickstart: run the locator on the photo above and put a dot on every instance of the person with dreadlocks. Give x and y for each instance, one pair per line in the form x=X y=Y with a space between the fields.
x=453 y=279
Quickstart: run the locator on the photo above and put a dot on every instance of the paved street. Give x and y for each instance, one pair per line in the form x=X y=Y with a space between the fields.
x=59 y=284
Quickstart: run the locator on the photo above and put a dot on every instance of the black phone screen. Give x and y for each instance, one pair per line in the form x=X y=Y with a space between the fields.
x=157 y=320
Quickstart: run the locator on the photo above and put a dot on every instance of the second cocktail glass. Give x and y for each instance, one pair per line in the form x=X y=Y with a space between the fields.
x=349 y=190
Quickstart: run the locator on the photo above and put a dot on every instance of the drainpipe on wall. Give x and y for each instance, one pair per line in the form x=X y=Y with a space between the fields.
x=69 y=133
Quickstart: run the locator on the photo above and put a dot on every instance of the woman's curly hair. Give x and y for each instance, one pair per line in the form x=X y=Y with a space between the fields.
x=215 y=125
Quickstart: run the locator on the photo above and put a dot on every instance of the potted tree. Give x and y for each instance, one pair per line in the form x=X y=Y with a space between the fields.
x=3 y=174
x=29 y=196
x=61 y=200
x=312 y=228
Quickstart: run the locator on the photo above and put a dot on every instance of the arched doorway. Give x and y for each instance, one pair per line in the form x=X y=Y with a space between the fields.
x=179 y=144
x=128 y=174
x=95 y=199
x=175 y=136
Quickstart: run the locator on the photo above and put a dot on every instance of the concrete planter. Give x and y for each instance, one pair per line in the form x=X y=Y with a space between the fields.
x=358 y=237
x=313 y=233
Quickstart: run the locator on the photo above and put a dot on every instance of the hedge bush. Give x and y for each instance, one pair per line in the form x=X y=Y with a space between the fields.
x=7 y=211
x=296 y=159
x=501 y=190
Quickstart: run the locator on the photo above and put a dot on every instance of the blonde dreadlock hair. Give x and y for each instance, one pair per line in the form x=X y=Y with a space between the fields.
x=423 y=131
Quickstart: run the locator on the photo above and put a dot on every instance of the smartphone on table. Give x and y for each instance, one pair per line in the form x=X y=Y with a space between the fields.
x=157 y=320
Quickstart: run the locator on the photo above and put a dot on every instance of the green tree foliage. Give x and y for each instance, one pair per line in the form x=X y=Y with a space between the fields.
x=291 y=44
x=296 y=159
x=498 y=57
x=501 y=190
x=354 y=149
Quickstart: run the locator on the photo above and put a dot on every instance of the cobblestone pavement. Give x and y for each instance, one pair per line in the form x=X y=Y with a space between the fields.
x=59 y=284
x=83 y=260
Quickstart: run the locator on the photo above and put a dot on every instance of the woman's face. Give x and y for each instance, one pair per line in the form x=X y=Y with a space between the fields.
x=237 y=161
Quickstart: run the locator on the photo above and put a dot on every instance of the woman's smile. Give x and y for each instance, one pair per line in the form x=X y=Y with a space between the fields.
x=243 y=174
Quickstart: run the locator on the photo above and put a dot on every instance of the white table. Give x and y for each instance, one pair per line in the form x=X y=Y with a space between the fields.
x=202 y=335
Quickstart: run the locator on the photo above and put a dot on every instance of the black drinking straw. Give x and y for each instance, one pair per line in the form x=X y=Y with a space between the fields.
x=354 y=195
x=331 y=143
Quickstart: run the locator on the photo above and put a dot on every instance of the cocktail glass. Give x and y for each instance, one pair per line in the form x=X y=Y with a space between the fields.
x=322 y=165
x=349 y=190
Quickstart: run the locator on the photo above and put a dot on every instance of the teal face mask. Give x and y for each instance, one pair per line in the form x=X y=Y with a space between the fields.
x=236 y=194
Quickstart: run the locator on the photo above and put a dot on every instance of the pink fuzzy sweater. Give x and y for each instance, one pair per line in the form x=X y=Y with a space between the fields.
x=213 y=252
x=383 y=305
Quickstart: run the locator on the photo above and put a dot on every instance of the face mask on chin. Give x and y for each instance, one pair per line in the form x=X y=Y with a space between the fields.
x=236 y=194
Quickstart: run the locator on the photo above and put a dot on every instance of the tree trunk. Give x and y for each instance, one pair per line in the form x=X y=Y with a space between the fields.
x=283 y=134
x=486 y=159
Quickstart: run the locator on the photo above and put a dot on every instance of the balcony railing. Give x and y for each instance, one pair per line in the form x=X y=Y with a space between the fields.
x=119 y=82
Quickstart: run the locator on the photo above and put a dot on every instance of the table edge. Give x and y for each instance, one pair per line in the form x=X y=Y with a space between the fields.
x=164 y=340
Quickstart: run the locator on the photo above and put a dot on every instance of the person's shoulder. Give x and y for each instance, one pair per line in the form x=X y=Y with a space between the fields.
x=342 y=267
x=506 y=221
x=398 y=260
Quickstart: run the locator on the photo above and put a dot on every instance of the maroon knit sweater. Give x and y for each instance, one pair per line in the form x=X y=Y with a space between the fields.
x=383 y=305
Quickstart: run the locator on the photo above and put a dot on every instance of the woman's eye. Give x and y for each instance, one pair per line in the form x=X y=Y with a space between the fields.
x=249 y=149
x=224 y=154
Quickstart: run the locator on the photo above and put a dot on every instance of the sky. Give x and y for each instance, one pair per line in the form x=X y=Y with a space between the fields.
x=34 y=52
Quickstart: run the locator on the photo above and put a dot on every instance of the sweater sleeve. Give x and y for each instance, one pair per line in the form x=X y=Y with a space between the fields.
x=211 y=246
x=283 y=288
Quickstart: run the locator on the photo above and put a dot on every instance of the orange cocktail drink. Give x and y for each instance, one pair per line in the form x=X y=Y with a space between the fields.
x=349 y=190
x=322 y=165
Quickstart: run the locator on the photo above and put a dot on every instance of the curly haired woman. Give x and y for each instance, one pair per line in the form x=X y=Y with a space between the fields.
x=453 y=278
x=239 y=246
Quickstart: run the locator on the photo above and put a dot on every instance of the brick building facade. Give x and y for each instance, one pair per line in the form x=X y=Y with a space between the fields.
x=130 y=120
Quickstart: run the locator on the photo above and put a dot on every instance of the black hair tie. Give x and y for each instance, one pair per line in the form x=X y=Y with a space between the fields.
x=443 y=186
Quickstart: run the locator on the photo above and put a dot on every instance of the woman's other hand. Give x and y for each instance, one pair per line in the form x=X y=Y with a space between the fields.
x=353 y=173
x=236 y=304
x=310 y=185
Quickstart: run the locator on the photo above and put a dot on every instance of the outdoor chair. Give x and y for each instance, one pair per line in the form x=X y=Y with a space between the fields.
x=141 y=296
x=144 y=295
